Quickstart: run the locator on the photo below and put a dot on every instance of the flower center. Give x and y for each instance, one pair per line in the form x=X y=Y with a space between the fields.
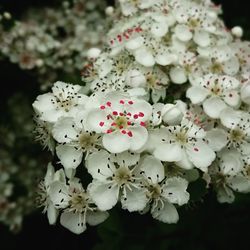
x=154 y=191
x=78 y=202
x=216 y=68
x=236 y=135
x=181 y=137
x=123 y=176
x=86 y=140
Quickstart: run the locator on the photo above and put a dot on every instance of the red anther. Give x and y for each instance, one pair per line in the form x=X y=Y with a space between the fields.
x=115 y=113
x=119 y=37
x=101 y=124
x=129 y=123
x=143 y=124
x=129 y=134
x=123 y=131
x=113 y=124
x=141 y=114
x=136 y=116
x=196 y=149
x=130 y=102
x=108 y=104
x=121 y=127
x=109 y=131
x=122 y=102
x=138 y=29
x=121 y=114
x=128 y=114
x=102 y=107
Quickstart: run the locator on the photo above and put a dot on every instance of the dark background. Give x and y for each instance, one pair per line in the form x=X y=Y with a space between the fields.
x=204 y=225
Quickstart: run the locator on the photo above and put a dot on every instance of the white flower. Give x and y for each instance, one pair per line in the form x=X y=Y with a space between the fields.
x=122 y=120
x=43 y=198
x=74 y=140
x=238 y=129
x=116 y=177
x=163 y=193
x=184 y=145
x=224 y=175
x=78 y=207
x=215 y=93
x=65 y=100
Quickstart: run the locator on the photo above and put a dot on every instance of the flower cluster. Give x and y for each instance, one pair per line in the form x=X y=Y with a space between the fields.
x=168 y=104
x=50 y=41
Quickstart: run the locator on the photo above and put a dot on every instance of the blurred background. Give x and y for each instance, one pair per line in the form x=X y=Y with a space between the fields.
x=204 y=225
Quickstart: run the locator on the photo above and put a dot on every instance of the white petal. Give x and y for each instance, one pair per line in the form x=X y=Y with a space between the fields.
x=231 y=162
x=103 y=194
x=202 y=38
x=225 y=195
x=178 y=75
x=49 y=174
x=165 y=58
x=175 y=190
x=44 y=102
x=52 y=213
x=213 y=107
x=159 y=29
x=183 y=33
x=153 y=169
x=167 y=214
x=116 y=142
x=135 y=78
x=201 y=155
x=229 y=117
x=93 y=120
x=96 y=217
x=64 y=131
x=141 y=106
x=134 y=43
x=245 y=148
x=58 y=194
x=232 y=98
x=144 y=57
x=135 y=200
x=240 y=184
x=197 y=94
x=245 y=93
x=168 y=152
x=139 y=138
x=125 y=158
x=185 y=163
x=98 y=165
x=217 y=139
x=231 y=67
x=73 y=222
x=69 y=156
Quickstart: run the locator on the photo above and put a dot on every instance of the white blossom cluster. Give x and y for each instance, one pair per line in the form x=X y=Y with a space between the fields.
x=168 y=104
x=50 y=41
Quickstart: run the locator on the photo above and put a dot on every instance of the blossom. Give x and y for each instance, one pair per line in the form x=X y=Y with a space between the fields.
x=78 y=207
x=122 y=120
x=215 y=93
x=74 y=140
x=116 y=177
x=43 y=198
x=64 y=101
x=185 y=145
x=163 y=193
